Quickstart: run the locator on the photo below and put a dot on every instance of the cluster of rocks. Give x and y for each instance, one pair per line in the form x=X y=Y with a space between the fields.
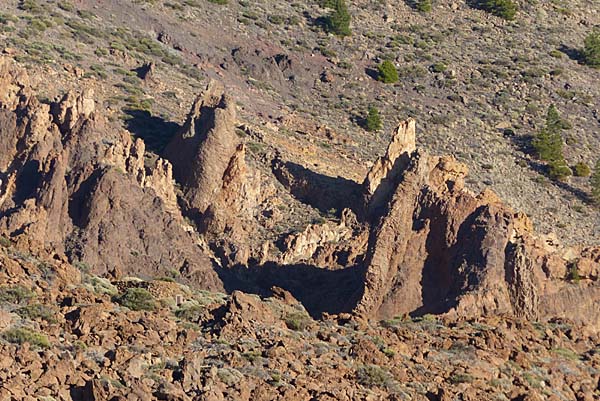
x=85 y=343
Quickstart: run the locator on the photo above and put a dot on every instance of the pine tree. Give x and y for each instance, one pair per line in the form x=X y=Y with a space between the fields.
x=591 y=49
x=595 y=183
x=373 y=121
x=338 y=22
x=549 y=145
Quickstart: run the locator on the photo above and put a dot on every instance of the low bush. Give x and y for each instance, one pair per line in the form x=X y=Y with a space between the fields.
x=423 y=5
x=506 y=9
x=297 y=321
x=373 y=376
x=37 y=311
x=21 y=335
x=15 y=295
x=581 y=169
x=137 y=299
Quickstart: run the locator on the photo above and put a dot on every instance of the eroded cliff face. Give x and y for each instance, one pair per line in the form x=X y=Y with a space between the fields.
x=409 y=240
x=438 y=248
x=72 y=183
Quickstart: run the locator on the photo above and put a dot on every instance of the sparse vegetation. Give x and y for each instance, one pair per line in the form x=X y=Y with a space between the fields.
x=5 y=242
x=573 y=272
x=21 y=335
x=581 y=169
x=461 y=378
x=15 y=295
x=191 y=313
x=595 y=183
x=373 y=376
x=506 y=9
x=423 y=5
x=297 y=321
x=439 y=67
x=37 y=311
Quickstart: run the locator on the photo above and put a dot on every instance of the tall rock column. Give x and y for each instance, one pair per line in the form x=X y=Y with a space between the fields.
x=201 y=152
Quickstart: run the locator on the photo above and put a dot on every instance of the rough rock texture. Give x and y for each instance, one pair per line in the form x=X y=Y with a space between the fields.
x=409 y=240
x=328 y=245
x=80 y=341
x=201 y=152
x=437 y=248
x=382 y=175
x=72 y=183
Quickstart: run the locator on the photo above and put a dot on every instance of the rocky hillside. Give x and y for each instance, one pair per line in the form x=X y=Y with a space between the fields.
x=70 y=335
x=192 y=209
x=478 y=85
x=410 y=239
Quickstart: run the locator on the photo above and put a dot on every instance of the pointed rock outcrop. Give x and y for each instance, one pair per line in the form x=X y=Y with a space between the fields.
x=202 y=150
x=73 y=183
x=435 y=247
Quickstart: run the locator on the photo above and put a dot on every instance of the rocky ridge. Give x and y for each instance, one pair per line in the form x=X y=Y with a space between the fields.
x=409 y=240
x=84 y=207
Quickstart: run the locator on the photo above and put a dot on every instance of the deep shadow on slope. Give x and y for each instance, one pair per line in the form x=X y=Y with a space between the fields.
x=155 y=131
x=318 y=190
x=319 y=290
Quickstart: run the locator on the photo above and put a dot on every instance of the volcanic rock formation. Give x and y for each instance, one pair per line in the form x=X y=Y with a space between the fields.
x=411 y=239
x=438 y=248
x=73 y=183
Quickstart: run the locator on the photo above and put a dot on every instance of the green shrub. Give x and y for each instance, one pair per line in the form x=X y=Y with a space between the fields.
x=37 y=311
x=21 y=335
x=591 y=49
x=137 y=299
x=373 y=376
x=581 y=169
x=461 y=378
x=222 y=2
x=338 y=22
x=191 y=313
x=15 y=295
x=439 y=67
x=100 y=285
x=387 y=72
x=297 y=321
x=573 y=272
x=31 y=6
x=423 y=5
x=65 y=6
x=595 y=183
x=5 y=242
x=506 y=9
x=558 y=170
x=373 y=121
